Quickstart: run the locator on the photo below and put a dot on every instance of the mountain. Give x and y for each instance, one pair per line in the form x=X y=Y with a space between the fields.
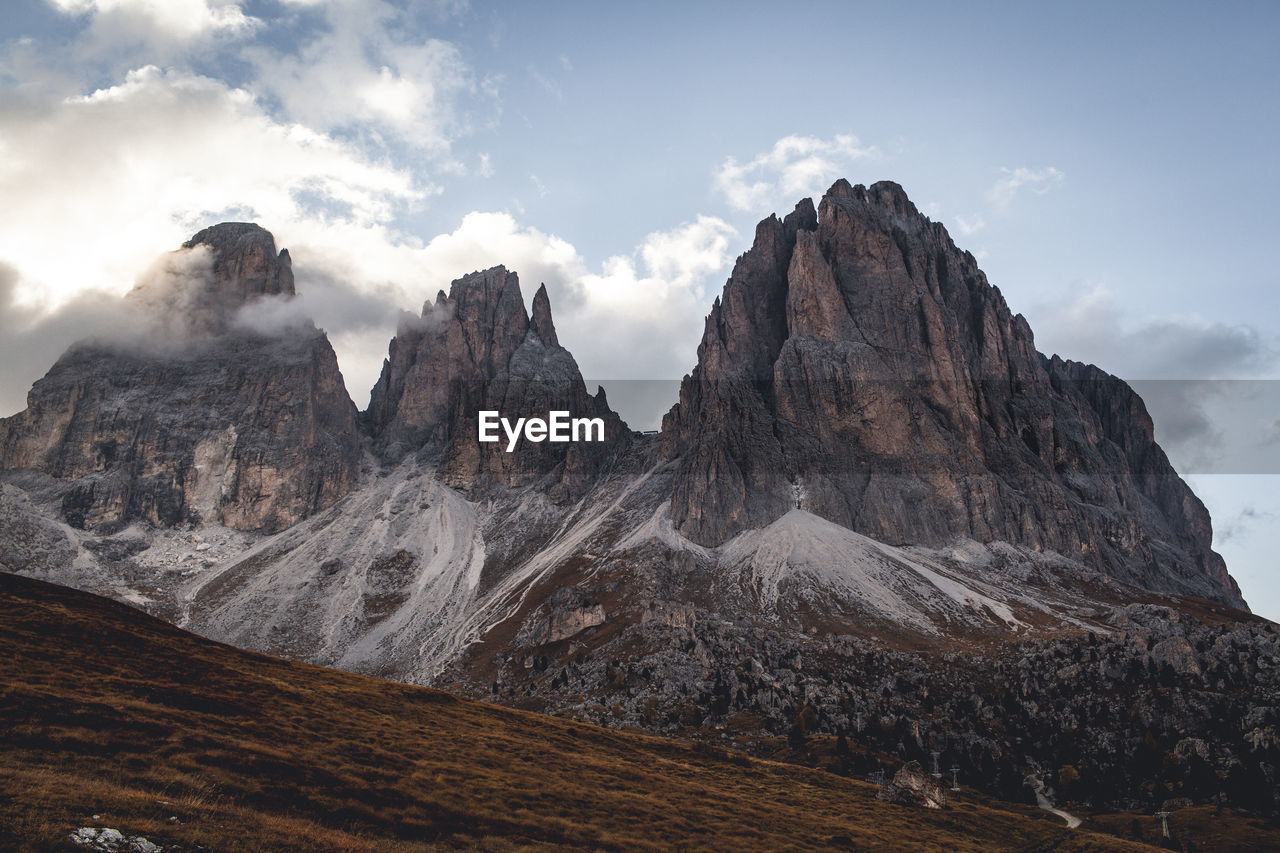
x=191 y=416
x=477 y=350
x=875 y=511
x=116 y=720
x=860 y=367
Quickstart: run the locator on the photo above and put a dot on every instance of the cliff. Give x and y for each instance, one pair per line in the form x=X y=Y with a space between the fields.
x=859 y=366
x=195 y=417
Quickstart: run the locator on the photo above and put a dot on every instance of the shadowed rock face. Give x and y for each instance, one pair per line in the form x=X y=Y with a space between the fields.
x=255 y=431
x=859 y=366
x=477 y=349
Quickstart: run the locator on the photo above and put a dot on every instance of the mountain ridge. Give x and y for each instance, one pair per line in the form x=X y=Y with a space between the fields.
x=869 y=470
x=855 y=357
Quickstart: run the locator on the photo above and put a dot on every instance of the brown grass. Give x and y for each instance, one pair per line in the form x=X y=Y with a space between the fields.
x=104 y=710
x=1204 y=828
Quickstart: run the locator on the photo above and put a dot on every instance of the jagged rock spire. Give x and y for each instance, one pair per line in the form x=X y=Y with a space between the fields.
x=479 y=350
x=542 y=324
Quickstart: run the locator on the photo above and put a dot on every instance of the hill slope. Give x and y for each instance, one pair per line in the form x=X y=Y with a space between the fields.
x=108 y=711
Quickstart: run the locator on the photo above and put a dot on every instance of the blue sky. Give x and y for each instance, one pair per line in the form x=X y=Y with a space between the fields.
x=1111 y=165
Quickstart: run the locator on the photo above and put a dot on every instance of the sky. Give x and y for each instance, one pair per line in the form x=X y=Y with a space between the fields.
x=1111 y=166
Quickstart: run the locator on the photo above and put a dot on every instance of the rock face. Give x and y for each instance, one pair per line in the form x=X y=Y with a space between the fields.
x=216 y=273
x=860 y=367
x=245 y=262
x=477 y=349
x=569 y=611
x=253 y=430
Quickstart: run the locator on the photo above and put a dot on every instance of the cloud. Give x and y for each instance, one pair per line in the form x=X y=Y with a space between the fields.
x=1093 y=327
x=1241 y=524
x=329 y=138
x=31 y=339
x=100 y=40
x=96 y=186
x=637 y=316
x=1196 y=377
x=641 y=316
x=171 y=291
x=551 y=87
x=683 y=258
x=161 y=19
x=1015 y=181
x=796 y=166
x=366 y=71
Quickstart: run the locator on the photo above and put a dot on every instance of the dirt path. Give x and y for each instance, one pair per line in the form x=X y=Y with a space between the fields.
x=1043 y=802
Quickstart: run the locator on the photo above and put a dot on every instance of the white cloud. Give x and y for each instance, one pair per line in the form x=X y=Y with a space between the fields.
x=1038 y=181
x=683 y=257
x=551 y=87
x=96 y=186
x=638 y=317
x=641 y=317
x=176 y=19
x=98 y=183
x=365 y=71
x=796 y=166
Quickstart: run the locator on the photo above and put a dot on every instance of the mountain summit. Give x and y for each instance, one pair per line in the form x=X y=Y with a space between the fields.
x=194 y=418
x=860 y=367
x=200 y=289
x=474 y=350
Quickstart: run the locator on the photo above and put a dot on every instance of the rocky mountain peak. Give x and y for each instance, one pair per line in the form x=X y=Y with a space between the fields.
x=885 y=202
x=477 y=350
x=489 y=312
x=542 y=323
x=198 y=289
x=210 y=421
x=246 y=264
x=859 y=366
x=245 y=259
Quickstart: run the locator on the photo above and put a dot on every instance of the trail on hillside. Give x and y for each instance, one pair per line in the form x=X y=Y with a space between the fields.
x=1043 y=802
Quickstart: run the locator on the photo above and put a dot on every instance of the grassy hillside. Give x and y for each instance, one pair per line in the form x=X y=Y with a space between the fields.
x=106 y=711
